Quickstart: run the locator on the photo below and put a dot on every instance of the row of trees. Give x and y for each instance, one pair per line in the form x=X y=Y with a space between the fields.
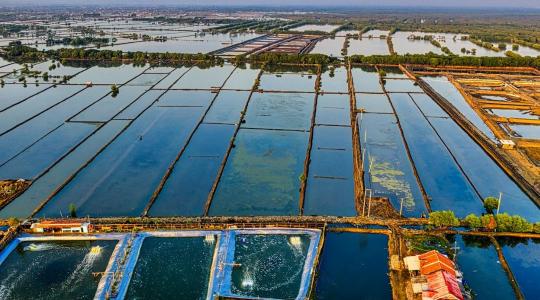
x=499 y=222
x=453 y=60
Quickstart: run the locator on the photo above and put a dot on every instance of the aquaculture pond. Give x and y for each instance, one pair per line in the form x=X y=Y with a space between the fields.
x=445 y=88
x=476 y=255
x=403 y=44
x=54 y=269
x=523 y=257
x=329 y=46
x=139 y=158
x=291 y=81
x=353 y=266
x=330 y=184
x=389 y=171
x=172 y=268
x=368 y=46
x=262 y=175
x=269 y=266
x=445 y=184
x=366 y=80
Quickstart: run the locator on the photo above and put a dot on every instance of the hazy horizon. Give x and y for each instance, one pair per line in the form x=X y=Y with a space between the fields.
x=277 y=3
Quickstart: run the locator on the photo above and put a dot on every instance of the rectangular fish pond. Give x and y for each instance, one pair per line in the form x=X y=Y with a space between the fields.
x=57 y=267
x=353 y=266
x=266 y=263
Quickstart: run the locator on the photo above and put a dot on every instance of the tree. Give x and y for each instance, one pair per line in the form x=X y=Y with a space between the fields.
x=507 y=223
x=114 y=90
x=491 y=204
x=72 y=210
x=444 y=218
x=473 y=221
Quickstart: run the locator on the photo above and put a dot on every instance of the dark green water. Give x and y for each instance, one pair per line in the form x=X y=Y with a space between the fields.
x=53 y=270
x=354 y=266
x=172 y=268
x=271 y=265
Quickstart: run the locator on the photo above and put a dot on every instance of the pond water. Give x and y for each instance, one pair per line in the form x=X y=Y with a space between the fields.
x=262 y=174
x=200 y=78
x=487 y=177
x=402 y=45
x=271 y=266
x=329 y=46
x=510 y=113
x=186 y=190
x=48 y=183
x=367 y=46
x=526 y=131
x=446 y=184
x=389 y=172
x=374 y=103
x=336 y=83
x=354 y=266
x=292 y=111
x=172 y=268
x=54 y=270
x=298 y=82
x=330 y=182
x=242 y=78
x=131 y=167
x=445 y=88
x=315 y=27
x=227 y=107
x=366 y=80
x=475 y=255
x=523 y=257
x=333 y=109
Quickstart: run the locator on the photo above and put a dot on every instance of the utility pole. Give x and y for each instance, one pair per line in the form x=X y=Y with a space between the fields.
x=369 y=204
x=401 y=207
x=499 y=205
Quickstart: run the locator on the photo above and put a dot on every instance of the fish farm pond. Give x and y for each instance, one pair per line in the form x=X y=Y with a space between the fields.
x=249 y=180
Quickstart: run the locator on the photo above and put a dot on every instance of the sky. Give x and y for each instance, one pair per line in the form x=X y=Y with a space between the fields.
x=408 y=3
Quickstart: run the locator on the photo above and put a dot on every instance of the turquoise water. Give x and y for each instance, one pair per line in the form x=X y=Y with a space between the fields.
x=172 y=268
x=271 y=266
x=353 y=266
x=523 y=257
x=262 y=174
x=53 y=270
